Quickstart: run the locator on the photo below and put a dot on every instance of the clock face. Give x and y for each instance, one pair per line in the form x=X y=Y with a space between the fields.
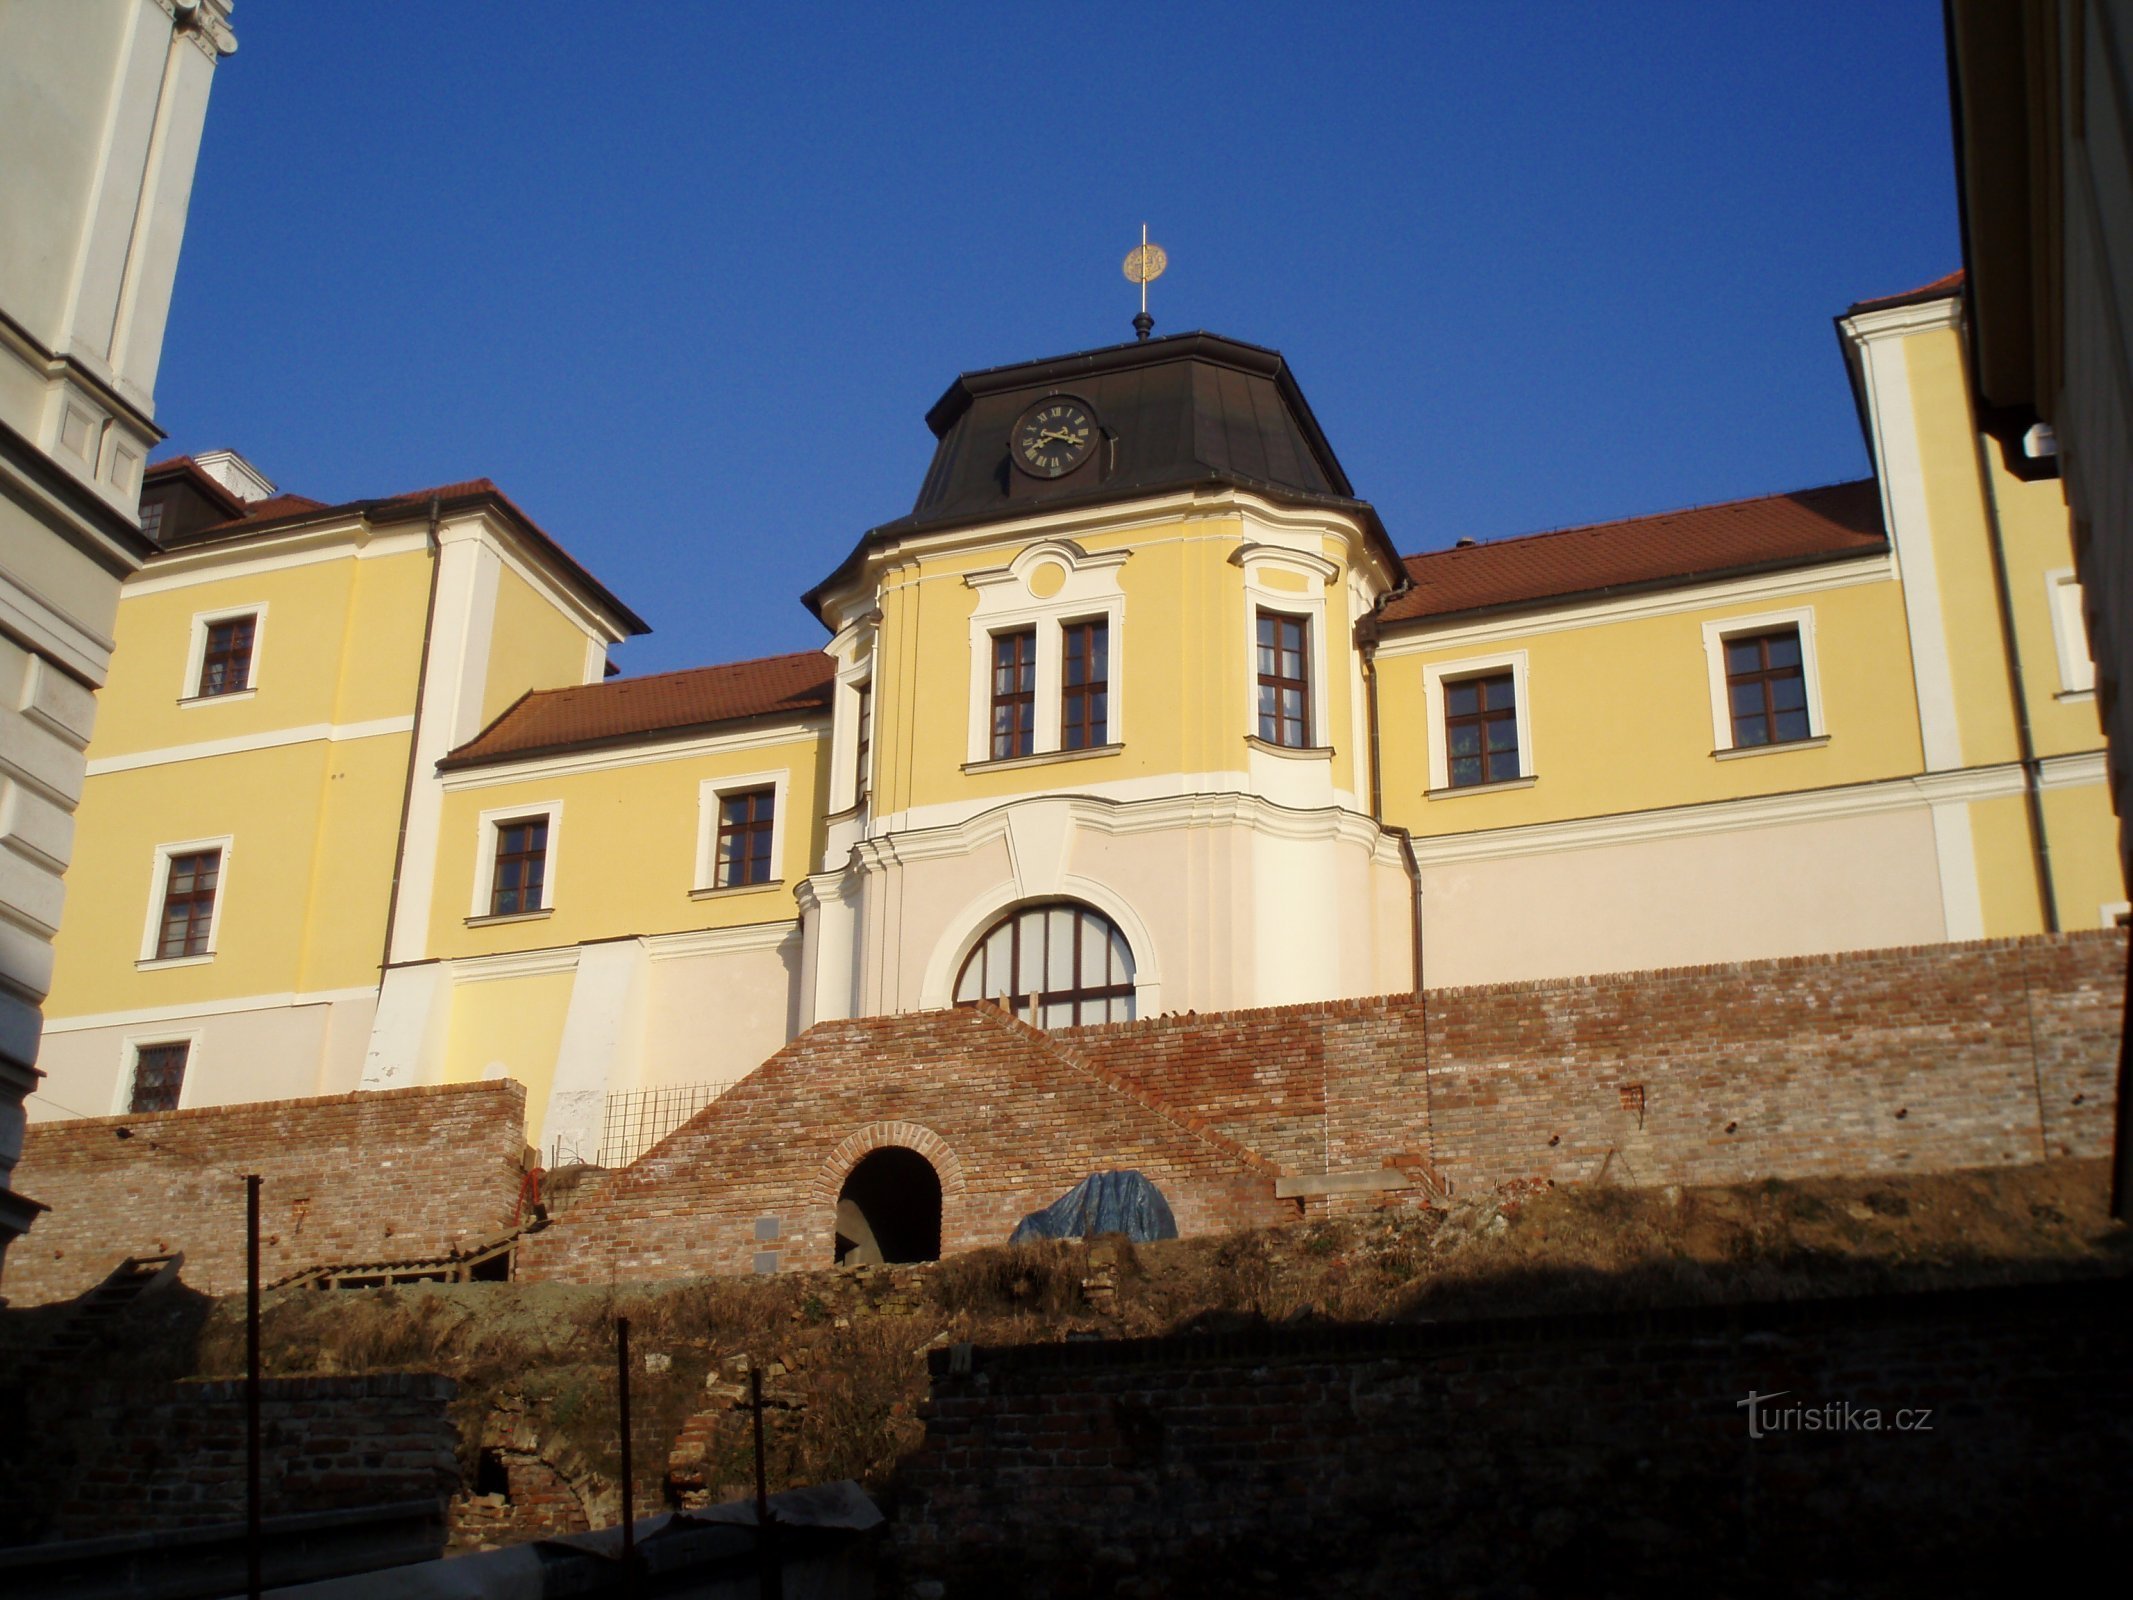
x=1053 y=437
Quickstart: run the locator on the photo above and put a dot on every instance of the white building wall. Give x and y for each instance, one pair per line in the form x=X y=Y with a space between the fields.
x=101 y=107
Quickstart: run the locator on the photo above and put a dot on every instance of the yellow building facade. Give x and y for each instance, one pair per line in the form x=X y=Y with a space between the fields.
x=1138 y=710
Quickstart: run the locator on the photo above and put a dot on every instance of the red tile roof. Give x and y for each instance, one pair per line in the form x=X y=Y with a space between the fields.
x=1938 y=289
x=1673 y=548
x=283 y=510
x=627 y=710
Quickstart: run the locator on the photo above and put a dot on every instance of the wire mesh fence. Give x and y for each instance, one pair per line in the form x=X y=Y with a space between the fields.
x=632 y=1123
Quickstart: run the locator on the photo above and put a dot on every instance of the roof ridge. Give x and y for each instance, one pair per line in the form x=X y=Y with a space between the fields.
x=1648 y=516
x=683 y=672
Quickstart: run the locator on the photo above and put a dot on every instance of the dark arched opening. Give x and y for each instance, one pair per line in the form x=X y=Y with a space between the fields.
x=889 y=1210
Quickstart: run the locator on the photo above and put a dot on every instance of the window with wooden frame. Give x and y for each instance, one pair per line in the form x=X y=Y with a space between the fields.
x=188 y=918
x=1053 y=965
x=1014 y=693
x=1085 y=691
x=226 y=658
x=864 y=724
x=1481 y=730
x=519 y=883
x=1285 y=680
x=745 y=822
x=1766 y=688
x=158 y=1076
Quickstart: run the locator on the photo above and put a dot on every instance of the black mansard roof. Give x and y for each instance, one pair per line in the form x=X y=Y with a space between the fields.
x=1190 y=410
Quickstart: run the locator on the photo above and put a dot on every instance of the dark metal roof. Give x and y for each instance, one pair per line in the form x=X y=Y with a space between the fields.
x=1186 y=411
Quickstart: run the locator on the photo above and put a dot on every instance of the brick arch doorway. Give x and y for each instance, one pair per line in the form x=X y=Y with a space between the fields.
x=889 y=1209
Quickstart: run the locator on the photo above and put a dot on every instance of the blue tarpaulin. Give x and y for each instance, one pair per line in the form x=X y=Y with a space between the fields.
x=1103 y=1202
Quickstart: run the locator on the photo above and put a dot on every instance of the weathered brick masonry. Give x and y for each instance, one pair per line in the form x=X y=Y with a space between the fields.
x=396 y=1175
x=1921 y=1059
x=1592 y=1455
x=176 y=1459
x=1008 y=1118
x=1917 y=1059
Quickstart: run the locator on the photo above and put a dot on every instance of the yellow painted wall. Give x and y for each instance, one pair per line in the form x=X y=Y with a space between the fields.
x=286 y=922
x=1621 y=715
x=534 y=646
x=339 y=643
x=2085 y=867
x=1183 y=661
x=1962 y=548
x=512 y=1024
x=625 y=852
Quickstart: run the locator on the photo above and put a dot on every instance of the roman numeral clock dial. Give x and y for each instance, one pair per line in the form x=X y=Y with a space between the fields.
x=1053 y=437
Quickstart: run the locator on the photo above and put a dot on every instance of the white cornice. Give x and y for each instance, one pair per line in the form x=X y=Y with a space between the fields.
x=1761 y=811
x=512 y=964
x=208 y=1008
x=1418 y=637
x=208 y=749
x=247 y=556
x=1092 y=522
x=638 y=755
x=1227 y=808
x=722 y=941
x=1897 y=322
x=2077 y=771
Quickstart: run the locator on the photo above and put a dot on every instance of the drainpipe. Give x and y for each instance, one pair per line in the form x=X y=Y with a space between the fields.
x=2032 y=768
x=414 y=738
x=1369 y=642
x=1414 y=879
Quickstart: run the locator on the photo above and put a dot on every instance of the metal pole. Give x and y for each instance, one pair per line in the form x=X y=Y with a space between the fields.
x=770 y=1574
x=629 y=1493
x=252 y=1517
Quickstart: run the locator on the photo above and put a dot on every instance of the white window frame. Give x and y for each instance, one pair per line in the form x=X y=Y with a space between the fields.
x=1307 y=602
x=1006 y=604
x=709 y=794
x=2070 y=635
x=158 y=887
x=1715 y=635
x=1434 y=678
x=485 y=858
x=131 y=1046
x=196 y=654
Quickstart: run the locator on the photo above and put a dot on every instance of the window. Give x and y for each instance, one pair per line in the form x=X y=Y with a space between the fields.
x=227 y=665
x=1047 y=656
x=1084 y=699
x=1766 y=688
x=158 y=1076
x=865 y=725
x=1481 y=730
x=223 y=659
x=188 y=920
x=1054 y=965
x=744 y=834
x=1285 y=680
x=520 y=881
x=1014 y=693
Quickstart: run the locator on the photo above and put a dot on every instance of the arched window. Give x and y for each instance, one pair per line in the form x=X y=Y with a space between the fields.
x=1053 y=965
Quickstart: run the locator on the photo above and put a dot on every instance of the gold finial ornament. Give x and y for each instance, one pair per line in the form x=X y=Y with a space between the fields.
x=1144 y=264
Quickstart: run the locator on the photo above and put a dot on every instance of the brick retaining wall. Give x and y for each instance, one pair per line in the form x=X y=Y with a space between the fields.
x=1597 y=1454
x=175 y=1459
x=394 y=1175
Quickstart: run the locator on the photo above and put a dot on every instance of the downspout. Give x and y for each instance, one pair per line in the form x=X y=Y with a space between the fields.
x=414 y=737
x=2032 y=768
x=1369 y=642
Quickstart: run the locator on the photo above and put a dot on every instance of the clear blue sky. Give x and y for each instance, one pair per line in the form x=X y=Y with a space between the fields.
x=684 y=278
